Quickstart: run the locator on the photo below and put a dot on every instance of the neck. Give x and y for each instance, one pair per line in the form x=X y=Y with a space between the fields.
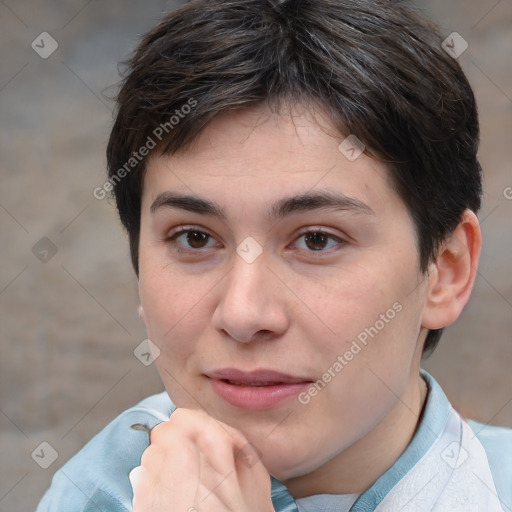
x=357 y=468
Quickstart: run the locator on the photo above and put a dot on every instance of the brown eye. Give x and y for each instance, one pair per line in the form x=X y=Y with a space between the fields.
x=316 y=241
x=319 y=241
x=197 y=239
x=186 y=239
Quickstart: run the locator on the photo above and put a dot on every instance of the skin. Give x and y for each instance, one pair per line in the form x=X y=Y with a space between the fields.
x=294 y=309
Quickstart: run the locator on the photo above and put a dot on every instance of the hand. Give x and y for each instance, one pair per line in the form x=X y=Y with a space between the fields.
x=196 y=463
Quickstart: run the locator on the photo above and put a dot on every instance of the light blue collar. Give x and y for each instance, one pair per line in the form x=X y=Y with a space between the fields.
x=435 y=416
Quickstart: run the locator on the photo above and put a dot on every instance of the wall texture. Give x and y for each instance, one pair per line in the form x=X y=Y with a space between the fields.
x=68 y=298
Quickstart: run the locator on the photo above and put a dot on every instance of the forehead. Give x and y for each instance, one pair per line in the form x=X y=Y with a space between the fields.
x=257 y=156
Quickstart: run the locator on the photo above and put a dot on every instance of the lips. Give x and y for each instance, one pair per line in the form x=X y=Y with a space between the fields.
x=253 y=384
x=255 y=390
x=255 y=378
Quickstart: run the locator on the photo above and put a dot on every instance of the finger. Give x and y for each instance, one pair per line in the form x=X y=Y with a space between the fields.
x=166 y=477
x=182 y=458
x=217 y=441
x=135 y=476
x=224 y=451
x=138 y=481
x=230 y=473
x=238 y=478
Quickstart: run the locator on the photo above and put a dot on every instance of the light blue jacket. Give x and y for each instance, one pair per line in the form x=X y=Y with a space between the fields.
x=96 y=478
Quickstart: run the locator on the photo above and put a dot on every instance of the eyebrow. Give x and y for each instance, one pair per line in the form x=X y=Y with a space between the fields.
x=307 y=202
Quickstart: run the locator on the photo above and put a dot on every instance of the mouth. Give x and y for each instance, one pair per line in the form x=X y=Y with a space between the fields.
x=255 y=390
x=255 y=378
x=252 y=384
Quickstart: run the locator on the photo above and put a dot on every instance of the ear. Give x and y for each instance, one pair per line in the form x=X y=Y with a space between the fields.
x=452 y=275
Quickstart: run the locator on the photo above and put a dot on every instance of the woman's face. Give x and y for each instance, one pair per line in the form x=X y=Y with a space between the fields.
x=329 y=296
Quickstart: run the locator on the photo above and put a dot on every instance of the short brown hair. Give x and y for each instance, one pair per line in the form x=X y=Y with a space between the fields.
x=376 y=66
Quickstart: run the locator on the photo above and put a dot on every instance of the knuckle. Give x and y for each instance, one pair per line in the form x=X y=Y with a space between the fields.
x=159 y=433
x=151 y=456
x=235 y=435
x=189 y=419
x=182 y=414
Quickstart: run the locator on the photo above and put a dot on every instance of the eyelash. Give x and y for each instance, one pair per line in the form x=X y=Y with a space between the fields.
x=190 y=229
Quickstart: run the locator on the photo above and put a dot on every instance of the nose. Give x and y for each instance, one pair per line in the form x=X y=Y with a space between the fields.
x=252 y=305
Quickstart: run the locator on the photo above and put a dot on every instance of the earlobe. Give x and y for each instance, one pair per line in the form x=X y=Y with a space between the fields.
x=140 y=310
x=453 y=274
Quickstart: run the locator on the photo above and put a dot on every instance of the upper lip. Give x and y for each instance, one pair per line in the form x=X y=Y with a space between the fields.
x=261 y=376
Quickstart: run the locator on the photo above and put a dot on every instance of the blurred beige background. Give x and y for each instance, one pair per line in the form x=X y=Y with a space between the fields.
x=69 y=324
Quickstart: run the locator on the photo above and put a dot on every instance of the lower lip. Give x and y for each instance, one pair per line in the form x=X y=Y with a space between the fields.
x=256 y=398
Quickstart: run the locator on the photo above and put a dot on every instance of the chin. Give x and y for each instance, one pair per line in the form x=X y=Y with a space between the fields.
x=285 y=466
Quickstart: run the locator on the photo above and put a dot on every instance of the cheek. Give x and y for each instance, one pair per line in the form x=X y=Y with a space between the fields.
x=363 y=348
x=172 y=312
x=339 y=415
x=356 y=301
